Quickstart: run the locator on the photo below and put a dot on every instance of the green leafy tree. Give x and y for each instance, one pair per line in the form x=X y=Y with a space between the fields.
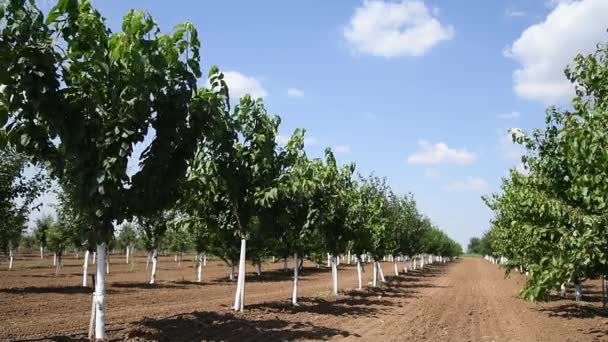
x=77 y=97
x=17 y=194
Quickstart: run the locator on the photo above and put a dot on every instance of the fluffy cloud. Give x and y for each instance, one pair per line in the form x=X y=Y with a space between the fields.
x=475 y=184
x=440 y=153
x=512 y=115
x=515 y=13
x=543 y=50
x=240 y=85
x=345 y=149
x=295 y=92
x=394 y=29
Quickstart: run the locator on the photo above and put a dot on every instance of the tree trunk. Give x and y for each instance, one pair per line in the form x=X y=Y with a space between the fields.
x=199 y=268
x=204 y=259
x=258 y=268
x=578 y=291
x=381 y=273
x=107 y=262
x=375 y=275
x=239 y=297
x=563 y=290
x=58 y=262
x=100 y=294
x=127 y=258
x=231 y=275
x=41 y=252
x=396 y=268
x=94 y=257
x=85 y=268
x=294 y=297
x=348 y=261
x=55 y=259
x=10 y=258
x=285 y=267
x=154 y=263
x=328 y=260
x=359 y=273
x=334 y=274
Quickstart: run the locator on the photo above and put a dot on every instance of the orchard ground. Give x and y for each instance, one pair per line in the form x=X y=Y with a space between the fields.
x=469 y=300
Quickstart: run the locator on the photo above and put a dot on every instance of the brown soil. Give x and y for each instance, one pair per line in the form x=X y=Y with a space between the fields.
x=469 y=300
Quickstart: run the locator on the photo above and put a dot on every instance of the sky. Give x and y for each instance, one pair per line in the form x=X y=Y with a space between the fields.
x=422 y=92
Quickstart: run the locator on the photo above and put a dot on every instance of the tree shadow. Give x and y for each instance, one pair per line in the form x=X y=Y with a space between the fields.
x=48 y=289
x=157 y=285
x=214 y=326
x=574 y=310
x=274 y=275
x=341 y=306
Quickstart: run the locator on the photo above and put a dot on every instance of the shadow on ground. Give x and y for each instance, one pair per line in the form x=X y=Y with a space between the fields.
x=198 y=326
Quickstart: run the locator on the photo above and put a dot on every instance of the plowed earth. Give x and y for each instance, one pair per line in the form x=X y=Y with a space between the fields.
x=469 y=300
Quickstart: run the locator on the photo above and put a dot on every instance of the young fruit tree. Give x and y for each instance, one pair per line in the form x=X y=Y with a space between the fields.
x=295 y=210
x=77 y=98
x=334 y=200
x=17 y=194
x=126 y=239
x=551 y=220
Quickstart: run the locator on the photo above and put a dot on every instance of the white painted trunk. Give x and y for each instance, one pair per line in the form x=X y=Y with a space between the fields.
x=375 y=276
x=359 y=273
x=239 y=297
x=204 y=259
x=328 y=260
x=258 y=268
x=396 y=268
x=294 y=296
x=381 y=273
x=108 y=263
x=338 y=260
x=154 y=262
x=100 y=294
x=10 y=259
x=578 y=291
x=348 y=260
x=414 y=264
x=274 y=259
x=231 y=275
x=54 y=259
x=94 y=257
x=41 y=252
x=85 y=268
x=199 y=268
x=127 y=254
x=334 y=275
x=563 y=290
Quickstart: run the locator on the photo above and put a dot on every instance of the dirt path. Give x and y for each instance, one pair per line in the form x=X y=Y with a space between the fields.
x=465 y=301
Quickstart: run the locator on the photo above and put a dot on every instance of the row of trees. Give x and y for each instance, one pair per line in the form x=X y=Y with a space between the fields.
x=75 y=100
x=551 y=219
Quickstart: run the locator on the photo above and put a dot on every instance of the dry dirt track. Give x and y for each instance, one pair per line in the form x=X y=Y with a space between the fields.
x=466 y=301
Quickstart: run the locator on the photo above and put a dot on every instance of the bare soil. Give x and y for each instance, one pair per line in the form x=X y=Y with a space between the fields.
x=469 y=300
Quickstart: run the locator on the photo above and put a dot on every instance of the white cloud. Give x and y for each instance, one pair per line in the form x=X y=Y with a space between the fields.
x=508 y=149
x=475 y=184
x=295 y=92
x=240 y=84
x=432 y=173
x=515 y=13
x=310 y=141
x=544 y=50
x=512 y=115
x=394 y=29
x=282 y=139
x=440 y=153
x=345 y=149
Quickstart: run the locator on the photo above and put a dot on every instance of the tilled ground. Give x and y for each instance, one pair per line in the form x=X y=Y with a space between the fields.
x=469 y=300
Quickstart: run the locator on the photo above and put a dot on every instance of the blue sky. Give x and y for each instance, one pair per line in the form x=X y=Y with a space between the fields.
x=421 y=92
